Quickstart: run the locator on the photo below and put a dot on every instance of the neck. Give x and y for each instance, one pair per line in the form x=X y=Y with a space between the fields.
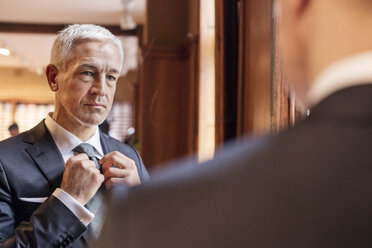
x=335 y=35
x=83 y=132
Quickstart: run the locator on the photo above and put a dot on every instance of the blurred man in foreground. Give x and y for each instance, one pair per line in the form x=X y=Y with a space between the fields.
x=310 y=186
x=53 y=177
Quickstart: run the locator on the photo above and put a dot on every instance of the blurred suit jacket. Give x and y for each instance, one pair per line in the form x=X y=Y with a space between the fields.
x=31 y=168
x=310 y=186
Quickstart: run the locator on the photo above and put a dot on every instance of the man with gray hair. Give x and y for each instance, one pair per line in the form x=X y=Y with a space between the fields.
x=53 y=176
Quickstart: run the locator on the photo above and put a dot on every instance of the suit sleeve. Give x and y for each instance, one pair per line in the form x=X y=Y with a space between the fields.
x=51 y=224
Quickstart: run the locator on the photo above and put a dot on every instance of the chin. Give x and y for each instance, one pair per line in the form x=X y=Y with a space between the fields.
x=91 y=121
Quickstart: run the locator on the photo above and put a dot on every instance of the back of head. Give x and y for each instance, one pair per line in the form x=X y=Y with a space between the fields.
x=317 y=33
x=64 y=45
x=13 y=126
x=13 y=129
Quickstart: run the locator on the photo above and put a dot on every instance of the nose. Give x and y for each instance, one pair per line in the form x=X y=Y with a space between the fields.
x=99 y=86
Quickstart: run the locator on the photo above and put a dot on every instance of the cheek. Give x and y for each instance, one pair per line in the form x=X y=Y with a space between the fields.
x=293 y=66
x=72 y=97
x=110 y=93
x=288 y=56
x=291 y=50
x=285 y=50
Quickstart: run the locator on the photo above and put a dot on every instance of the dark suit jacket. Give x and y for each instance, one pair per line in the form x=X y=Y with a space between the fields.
x=310 y=186
x=31 y=166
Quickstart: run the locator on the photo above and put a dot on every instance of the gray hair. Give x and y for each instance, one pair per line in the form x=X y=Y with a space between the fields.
x=63 y=46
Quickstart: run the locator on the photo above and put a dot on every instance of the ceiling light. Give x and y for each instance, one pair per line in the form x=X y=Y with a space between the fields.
x=126 y=19
x=127 y=22
x=4 y=51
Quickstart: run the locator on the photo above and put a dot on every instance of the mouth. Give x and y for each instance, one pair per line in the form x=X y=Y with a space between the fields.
x=96 y=105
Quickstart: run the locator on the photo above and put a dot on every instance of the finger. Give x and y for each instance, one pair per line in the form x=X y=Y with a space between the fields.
x=109 y=158
x=116 y=159
x=113 y=181
x=82 y=165
x=106 y=157
x=100 y=177
x=115 y=172
x=78 y=157
x=87 y=164
x=111 y=163
x=93 y=168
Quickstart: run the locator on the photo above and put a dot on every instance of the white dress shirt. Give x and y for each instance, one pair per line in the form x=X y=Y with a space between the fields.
x=352 y=71
x=66 y=142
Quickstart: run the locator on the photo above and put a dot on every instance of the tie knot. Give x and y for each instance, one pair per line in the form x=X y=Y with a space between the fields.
x=85 y=148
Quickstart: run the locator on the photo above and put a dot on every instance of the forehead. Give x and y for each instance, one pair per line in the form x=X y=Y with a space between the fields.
x=98 y=52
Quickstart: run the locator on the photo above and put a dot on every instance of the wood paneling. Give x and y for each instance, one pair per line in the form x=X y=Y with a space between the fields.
x=166 y=104
x=166 y=107
x=255 y=88
x=38 y=28
x=167 y=22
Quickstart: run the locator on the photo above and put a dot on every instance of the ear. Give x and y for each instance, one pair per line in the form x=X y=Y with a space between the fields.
x=294 y=10
x=51 y=74
x=302 y=6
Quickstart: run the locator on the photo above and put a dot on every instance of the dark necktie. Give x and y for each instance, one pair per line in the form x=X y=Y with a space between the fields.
x=97 y=204
x=88 y=149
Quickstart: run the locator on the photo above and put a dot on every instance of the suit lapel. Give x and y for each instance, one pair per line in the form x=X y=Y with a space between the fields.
x=45 y=153
x=106 y=145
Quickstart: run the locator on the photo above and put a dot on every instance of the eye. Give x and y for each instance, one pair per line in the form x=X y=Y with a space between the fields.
x=111 y=78
x=87 y=73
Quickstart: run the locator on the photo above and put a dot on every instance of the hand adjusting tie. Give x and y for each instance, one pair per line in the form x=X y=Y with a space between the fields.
x=89 y=151
x=97 y=204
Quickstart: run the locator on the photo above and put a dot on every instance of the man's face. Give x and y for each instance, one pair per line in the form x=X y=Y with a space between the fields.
x=87 y=86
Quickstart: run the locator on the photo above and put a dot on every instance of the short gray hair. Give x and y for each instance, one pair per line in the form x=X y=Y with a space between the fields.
x=63 y=46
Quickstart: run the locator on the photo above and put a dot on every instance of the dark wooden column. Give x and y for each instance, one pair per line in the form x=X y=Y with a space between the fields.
x=227 y=58
x=166 y=104
x=255 y=71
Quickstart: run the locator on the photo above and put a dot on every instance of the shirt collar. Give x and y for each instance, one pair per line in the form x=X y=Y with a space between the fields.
x=352 y=71
x=66 y=141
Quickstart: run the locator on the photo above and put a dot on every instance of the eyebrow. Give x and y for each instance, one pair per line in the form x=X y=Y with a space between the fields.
x=93 y=67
